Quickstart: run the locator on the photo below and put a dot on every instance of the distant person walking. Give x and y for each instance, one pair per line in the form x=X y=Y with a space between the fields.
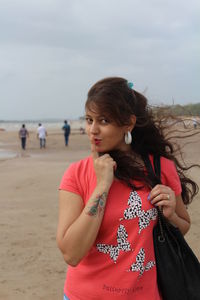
x=194 y=123
x=67 y=130
x=23 y=134
x=41 y=135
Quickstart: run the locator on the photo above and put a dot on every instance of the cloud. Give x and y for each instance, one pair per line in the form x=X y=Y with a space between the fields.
x=52 y=51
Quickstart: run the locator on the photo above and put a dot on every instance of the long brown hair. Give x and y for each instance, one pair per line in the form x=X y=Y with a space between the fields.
x=112 y=97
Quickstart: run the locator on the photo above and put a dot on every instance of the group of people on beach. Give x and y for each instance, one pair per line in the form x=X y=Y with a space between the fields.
x=42 y=134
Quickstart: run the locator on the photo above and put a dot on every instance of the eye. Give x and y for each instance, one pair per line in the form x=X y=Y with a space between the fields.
x=88 y=120
x=104 y=121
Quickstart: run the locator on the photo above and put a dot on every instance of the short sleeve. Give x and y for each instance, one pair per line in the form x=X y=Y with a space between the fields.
x=169 y=175
x=70 y=180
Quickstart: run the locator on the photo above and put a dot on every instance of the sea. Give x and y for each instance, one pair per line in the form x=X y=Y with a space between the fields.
x=32 y=125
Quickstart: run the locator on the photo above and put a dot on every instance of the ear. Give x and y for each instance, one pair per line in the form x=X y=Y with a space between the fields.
x=132 y=123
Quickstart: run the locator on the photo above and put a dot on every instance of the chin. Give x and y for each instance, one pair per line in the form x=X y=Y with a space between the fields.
x=104 y=150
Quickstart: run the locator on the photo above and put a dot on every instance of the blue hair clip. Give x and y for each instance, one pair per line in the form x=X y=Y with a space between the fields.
x=130 y=85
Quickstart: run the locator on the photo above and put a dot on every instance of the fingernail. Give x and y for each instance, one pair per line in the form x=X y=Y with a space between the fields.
x=148 y=197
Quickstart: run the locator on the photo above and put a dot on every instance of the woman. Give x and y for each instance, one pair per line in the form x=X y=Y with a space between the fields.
x=107 y=206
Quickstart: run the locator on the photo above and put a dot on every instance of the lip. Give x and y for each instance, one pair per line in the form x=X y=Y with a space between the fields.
x=97 y=141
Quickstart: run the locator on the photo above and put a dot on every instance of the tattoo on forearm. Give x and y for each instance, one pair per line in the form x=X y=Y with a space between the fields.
x=98 y=205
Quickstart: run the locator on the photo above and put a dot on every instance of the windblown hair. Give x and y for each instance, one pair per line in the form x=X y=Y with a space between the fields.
x=114 y=99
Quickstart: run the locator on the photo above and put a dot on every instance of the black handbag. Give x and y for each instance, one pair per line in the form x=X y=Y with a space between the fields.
x=178 y=269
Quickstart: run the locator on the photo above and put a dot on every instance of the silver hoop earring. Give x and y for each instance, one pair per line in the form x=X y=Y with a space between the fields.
x=128 y=138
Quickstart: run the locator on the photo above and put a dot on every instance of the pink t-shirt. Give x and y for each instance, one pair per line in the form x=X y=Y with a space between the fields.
x=121 y=263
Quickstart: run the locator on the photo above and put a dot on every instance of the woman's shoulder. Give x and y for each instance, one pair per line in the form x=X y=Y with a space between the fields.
x=167 y=163
x=81 y=167
x=169 y=174
x=76 y=174
x=82 y=163
x=167 y=166
x=164 y=161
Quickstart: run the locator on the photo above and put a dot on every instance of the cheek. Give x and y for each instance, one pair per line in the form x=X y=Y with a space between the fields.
x=116 y=138
x=119 y=135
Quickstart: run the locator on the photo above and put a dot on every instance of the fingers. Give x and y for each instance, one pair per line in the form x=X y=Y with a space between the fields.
x=163 y=196
x=160 y=197
x=163 y=203
x=161 y=193
x=105 y=158
x=94 y=151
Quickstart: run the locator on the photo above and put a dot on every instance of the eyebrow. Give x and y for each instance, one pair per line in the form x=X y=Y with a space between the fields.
x=97 y=116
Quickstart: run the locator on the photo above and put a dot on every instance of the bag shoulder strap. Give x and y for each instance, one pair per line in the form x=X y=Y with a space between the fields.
x=155 y=173
x=157 y=168
x=156 y=176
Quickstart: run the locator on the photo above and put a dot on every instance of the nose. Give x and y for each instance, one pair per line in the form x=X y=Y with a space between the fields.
x=94 y=128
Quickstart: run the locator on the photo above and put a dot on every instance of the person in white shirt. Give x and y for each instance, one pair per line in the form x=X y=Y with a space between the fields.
x=41 y=135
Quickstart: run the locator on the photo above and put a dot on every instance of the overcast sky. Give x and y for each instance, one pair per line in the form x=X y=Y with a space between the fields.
x=52 y=51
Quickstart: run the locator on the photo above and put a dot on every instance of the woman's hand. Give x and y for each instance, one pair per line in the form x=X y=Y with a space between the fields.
x=104 y=167
x=163 y=196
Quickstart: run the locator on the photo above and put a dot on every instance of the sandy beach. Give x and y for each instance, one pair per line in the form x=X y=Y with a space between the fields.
x=32 y=268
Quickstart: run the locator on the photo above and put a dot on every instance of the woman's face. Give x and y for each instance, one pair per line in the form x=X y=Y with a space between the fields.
x=104 y=133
